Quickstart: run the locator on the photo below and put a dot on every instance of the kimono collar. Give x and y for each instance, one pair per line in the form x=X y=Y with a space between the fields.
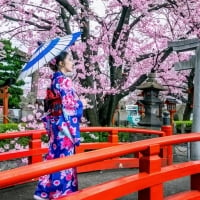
x=57 y=74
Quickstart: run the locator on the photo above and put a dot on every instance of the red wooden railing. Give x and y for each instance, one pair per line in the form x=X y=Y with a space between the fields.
x=148 y=182
x=35 y=151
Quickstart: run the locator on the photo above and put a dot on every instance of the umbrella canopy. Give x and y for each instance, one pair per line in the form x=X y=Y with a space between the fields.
x=46 y=52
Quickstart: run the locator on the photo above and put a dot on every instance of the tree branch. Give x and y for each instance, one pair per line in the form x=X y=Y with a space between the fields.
x=26 y=21
x=116 y=73
x=66 y=20
x=34 y=15
x=124 y=19
x=35 y=6
x=132 y=88
x=67 y=6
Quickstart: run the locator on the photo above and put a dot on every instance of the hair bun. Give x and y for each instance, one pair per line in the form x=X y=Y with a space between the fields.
x=53 y=65
x=53 y=61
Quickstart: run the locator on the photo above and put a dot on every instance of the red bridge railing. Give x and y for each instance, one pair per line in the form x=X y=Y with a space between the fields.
x=148 y=182
x=35 y=151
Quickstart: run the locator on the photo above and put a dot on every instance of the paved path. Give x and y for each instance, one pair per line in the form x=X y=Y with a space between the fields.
x=25 y=191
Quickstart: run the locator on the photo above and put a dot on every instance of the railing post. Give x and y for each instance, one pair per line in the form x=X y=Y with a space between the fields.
x=195 y=181
x=113 y=136
x=167 y=128
x=34 y=145
x=149 y=163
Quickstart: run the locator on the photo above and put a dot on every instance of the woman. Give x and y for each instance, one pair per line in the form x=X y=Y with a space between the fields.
x=62 y=124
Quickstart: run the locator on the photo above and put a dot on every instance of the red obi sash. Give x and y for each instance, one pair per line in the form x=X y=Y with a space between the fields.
x=53 y=103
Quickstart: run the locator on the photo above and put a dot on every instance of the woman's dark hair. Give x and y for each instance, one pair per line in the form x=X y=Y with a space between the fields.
x=54 y=64
x=61 y=57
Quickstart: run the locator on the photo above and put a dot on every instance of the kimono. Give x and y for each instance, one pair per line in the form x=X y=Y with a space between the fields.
x=62 y=125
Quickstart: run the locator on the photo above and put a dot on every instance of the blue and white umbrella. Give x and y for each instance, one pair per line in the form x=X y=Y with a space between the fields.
x=46 y=52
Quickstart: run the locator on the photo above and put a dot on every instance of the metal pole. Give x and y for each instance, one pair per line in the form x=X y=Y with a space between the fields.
x=195 y=146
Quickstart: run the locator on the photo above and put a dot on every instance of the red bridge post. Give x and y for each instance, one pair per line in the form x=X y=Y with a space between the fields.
x=169 y=149
x=113 y=136
x=35 y=144
x=195 y=182
x=151 y=162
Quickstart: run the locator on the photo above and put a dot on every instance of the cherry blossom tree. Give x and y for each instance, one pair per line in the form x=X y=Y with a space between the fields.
x=119 y=46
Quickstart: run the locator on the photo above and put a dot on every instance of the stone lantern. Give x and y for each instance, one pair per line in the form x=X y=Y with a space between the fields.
x=152 y=104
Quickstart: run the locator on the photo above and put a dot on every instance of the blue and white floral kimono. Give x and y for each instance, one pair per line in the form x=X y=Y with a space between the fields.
x=64 y=135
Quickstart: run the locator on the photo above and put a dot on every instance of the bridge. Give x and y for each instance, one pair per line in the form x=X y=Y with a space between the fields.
x=146 y=172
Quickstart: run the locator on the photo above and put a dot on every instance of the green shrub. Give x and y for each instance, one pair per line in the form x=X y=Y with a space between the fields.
x=11 y=143
x=8 y=127
x=187 y=125
x=94 y=137
x=103 y=137
x=124 y=137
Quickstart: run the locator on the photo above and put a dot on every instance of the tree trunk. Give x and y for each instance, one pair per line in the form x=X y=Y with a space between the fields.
x=188 y=107
x=189 y=104
x=187 y=112
x=107 y=110
x=92 y=114
x=34 y=83
x=93 y=117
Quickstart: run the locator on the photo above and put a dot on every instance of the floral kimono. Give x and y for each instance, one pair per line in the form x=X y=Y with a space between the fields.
x=62 y=124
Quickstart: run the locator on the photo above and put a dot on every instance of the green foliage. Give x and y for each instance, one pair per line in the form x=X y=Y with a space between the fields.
x=45 y=138
x=8 y=127
x=23 y=141
x=187 y=123
x=94 y=137
x=10 y=67
x=124 y=137
x=103 y=137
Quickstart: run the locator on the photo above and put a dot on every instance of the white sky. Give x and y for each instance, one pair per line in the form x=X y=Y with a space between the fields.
x=99 y=7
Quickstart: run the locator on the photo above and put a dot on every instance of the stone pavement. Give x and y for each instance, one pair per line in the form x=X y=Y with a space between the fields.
x=25 y=191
